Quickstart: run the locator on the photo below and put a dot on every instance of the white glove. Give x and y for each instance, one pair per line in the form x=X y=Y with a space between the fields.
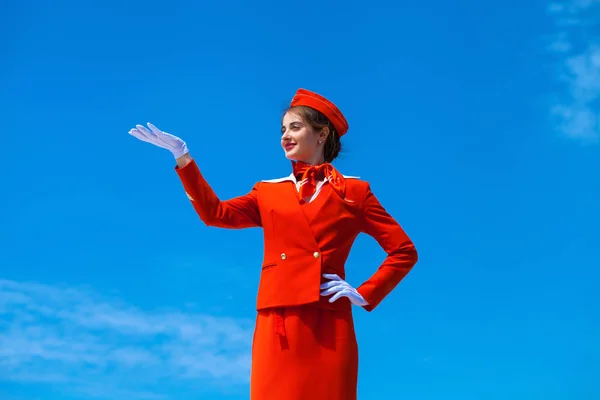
x=341 y=288
x=161 y=139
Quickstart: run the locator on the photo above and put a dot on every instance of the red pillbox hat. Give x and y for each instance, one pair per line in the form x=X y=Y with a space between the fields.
x=314 y=100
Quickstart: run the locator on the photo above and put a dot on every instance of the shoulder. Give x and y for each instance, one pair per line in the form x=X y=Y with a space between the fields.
x=356 y=187
x=289 y=178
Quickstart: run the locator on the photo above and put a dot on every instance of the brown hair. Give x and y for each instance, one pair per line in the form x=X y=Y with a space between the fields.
x=318 y=121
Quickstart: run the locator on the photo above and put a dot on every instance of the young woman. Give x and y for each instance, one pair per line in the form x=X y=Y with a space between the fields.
x=304 y=344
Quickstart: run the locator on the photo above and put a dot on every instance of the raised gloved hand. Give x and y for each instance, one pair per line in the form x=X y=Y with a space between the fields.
x=341 y=288
x=161 y=139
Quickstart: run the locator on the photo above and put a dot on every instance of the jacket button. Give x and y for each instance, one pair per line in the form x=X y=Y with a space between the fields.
x=316 y=254
x=283 y=256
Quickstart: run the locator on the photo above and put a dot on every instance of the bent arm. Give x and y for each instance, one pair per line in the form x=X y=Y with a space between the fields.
x=401 y=252
x=239 y=212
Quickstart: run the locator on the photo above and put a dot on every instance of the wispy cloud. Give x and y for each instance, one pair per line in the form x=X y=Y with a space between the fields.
x=576 y=45
x=74 y=339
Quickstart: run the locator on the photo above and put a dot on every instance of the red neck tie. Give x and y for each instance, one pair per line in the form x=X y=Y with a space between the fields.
x=308 y=175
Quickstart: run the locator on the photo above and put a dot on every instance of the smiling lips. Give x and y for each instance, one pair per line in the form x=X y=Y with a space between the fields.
x=290 y=146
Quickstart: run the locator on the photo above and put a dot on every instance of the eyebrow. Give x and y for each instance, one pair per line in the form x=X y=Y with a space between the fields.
x=292 y=123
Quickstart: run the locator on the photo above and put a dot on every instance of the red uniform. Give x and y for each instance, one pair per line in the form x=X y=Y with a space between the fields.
x=305 y=347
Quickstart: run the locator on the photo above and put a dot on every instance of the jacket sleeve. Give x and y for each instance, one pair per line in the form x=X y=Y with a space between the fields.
x=400 y=250
x=236 y=213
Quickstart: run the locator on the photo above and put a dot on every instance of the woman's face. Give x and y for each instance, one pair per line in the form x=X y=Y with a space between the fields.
x=300 y=141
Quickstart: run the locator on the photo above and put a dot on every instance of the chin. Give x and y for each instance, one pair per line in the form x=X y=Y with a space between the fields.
x=295 y=155
x=290 y=155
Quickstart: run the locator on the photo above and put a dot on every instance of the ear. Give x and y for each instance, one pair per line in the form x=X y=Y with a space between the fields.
x=324 y=133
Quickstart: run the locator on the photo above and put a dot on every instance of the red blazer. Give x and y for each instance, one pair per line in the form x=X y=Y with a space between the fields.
x=300 y=246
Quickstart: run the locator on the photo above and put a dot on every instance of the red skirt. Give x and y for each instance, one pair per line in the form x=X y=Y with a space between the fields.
x=304 y=352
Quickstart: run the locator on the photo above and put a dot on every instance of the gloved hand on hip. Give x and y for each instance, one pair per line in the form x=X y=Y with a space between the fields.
x=341 y=288
x=161 y=139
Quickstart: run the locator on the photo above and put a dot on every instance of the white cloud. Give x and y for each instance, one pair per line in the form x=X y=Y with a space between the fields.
x=576 y=44
x=73 y=339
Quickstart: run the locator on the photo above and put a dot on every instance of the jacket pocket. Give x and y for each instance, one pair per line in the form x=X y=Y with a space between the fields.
x=269 y=265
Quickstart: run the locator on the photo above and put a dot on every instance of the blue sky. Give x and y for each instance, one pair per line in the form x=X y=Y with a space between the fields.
x=475 y=122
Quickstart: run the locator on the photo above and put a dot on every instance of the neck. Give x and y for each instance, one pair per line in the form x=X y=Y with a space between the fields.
x=314 y=161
